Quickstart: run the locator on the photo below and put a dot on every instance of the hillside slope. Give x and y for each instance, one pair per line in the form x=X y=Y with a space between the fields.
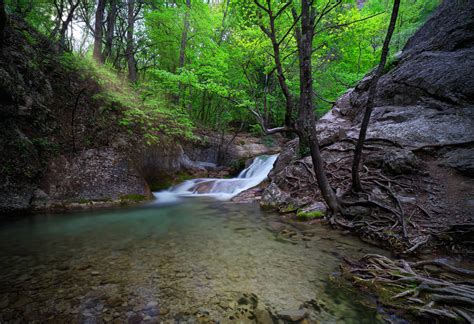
x=62 y=144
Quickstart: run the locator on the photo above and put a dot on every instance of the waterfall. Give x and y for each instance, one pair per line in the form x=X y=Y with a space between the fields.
x=222 y=189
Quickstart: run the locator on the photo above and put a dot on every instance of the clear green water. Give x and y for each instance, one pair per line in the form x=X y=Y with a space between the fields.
x=199 y=260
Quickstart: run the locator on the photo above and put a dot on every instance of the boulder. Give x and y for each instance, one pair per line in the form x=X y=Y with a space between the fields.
x=293 y=315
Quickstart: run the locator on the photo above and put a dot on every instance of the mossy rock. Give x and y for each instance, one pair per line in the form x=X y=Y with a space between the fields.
x=302 y=215
x=290 y=208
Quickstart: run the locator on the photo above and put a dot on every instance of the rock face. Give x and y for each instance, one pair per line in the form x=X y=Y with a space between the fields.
x=422 y=127
x=229 y=150
x=93 y=177
x=159 y=164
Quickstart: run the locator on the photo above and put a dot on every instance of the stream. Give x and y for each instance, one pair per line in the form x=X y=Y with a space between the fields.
x=221 y=189
x=193 y=260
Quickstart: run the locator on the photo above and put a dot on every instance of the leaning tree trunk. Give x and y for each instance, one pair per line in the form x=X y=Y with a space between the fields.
x=356 y=185
x=132 y=67
x=98 y=32
x=283 y=84
x=306 y=117
x=65 y=24
x=272 y=35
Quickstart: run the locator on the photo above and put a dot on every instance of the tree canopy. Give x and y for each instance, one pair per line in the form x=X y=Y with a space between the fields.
x=215 y=61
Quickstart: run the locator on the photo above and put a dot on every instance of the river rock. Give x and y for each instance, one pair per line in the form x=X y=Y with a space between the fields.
x=293 y=315
x=460 y=160
x=135 y=319
x=317 y=207
x=163 y=311
x=262 y=314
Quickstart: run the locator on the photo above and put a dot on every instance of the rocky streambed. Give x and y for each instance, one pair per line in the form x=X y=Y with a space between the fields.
x=196 y=261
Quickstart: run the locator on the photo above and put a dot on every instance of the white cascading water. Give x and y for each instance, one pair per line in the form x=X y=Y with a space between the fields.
x=222 y=189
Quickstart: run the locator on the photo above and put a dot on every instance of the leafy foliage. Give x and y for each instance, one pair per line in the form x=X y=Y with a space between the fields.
x=210 y=64
x=142 y=106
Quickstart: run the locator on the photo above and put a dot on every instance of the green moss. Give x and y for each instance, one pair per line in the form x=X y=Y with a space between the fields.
x=288 y=209
x=309 y=215
x=132 y=198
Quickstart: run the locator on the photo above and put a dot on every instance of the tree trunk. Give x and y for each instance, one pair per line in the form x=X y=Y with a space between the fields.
x=98 y=32
x=271 y=33
x=58 y=19
x=182 y=49
x=224 y=17
x=265 y=102
x=3 y=22
x=306 y=117
x=109 y=37
x=132 y=67
x=65 y=25
x=184 y=36
x=284 y=86
x=356 y=185
x=280 y=75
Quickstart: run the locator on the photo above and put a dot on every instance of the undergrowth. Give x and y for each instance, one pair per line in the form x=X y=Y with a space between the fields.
x=142 y=105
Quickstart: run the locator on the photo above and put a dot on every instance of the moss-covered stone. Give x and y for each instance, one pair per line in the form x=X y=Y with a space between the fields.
x=302 y=215
x=290 y=208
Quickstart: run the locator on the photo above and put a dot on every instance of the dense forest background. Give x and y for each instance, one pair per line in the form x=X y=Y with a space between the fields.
x=216 y=64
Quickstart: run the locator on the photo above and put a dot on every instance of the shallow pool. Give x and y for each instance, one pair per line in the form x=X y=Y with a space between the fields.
x=197 y=260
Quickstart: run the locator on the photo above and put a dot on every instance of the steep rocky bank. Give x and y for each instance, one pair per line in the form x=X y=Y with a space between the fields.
x=59 y=143
x=63 y=145
x=418 y=158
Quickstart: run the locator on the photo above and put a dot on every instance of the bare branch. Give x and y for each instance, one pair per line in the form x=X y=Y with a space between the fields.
x=347 y=24
x=295 y=21
x=282 y=9
x=261 y=6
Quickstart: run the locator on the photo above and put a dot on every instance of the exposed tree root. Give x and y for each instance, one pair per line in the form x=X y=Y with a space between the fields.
x=414 y=289
x=399 y=210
